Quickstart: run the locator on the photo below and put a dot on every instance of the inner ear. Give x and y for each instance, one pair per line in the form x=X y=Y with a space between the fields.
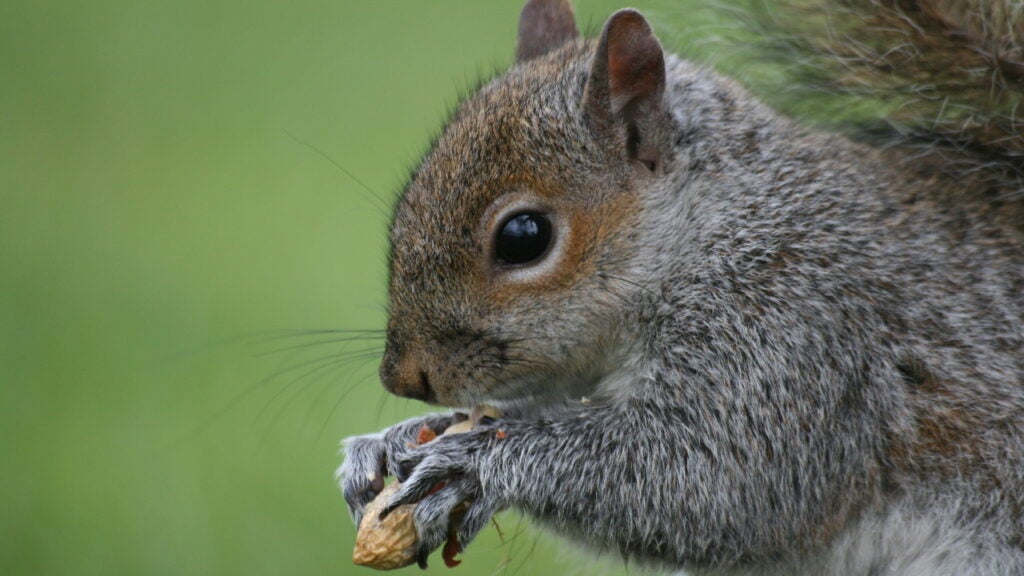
x=627 y=84
x=639 y=150
x=544 y=25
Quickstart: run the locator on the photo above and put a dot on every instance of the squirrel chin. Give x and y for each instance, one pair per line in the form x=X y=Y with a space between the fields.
x=535 y=406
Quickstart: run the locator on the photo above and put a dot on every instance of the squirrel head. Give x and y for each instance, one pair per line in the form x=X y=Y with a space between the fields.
x=512 y=246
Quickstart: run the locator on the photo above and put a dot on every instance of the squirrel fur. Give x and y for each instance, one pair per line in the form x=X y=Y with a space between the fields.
x=752 y=347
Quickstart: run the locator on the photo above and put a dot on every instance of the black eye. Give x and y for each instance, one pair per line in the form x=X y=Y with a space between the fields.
x=523 y=238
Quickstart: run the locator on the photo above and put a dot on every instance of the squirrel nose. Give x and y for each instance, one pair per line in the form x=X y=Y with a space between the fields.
x=406 y=377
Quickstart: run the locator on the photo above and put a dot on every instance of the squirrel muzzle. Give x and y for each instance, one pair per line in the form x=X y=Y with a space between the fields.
x=406 y=376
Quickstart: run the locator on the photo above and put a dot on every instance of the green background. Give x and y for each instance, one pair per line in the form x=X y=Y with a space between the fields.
x=171 y=209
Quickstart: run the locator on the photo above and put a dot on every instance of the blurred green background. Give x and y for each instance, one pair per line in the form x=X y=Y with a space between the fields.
x=170 y=210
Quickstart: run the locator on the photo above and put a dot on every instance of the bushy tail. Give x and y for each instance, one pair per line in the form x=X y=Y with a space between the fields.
x=944 y=75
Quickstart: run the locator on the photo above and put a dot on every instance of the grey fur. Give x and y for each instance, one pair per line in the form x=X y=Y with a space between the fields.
x=790 y=354
x=369 y=458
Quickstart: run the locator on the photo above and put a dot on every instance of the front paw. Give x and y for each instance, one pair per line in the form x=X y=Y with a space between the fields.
x=445 y=477
x=369 y=459
x=361 y=475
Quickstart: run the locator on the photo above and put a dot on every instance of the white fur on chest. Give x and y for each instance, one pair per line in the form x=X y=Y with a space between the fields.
x=903 y=542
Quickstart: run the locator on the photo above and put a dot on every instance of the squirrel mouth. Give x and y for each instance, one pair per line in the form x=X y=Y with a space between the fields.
x=478 y=413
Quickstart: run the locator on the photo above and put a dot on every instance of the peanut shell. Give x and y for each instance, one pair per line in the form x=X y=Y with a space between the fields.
x=389 y=543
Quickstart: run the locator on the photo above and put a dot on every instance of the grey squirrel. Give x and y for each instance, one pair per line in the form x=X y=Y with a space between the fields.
x=723 y=342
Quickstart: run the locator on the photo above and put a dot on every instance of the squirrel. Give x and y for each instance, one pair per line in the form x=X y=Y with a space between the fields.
x=723 y=341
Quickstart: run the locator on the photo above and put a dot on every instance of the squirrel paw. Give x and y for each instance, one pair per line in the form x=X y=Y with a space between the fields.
x=370 y=458
x=444 y=478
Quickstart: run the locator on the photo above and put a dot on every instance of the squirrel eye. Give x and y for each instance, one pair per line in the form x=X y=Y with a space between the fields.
x=523 y=238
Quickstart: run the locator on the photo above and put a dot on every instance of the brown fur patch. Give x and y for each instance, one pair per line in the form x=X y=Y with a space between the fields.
x=945 y=439
x=589 y=229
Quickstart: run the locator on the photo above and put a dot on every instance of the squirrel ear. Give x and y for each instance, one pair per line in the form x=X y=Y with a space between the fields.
x=544 y=25
x=627 y=82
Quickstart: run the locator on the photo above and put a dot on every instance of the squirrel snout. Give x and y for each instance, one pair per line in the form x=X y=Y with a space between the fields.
x=406 y=377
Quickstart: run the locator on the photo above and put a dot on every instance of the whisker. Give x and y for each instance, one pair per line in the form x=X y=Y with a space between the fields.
x=312 y=378
x=360 y=364
x=626 y=281
x=343 y=339
x=321 y=363
x=259 y=337
x=337 y=403
x=374 y=199
x=381 y=402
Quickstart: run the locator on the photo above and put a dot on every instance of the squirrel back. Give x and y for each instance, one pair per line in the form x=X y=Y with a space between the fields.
x=942 y=79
